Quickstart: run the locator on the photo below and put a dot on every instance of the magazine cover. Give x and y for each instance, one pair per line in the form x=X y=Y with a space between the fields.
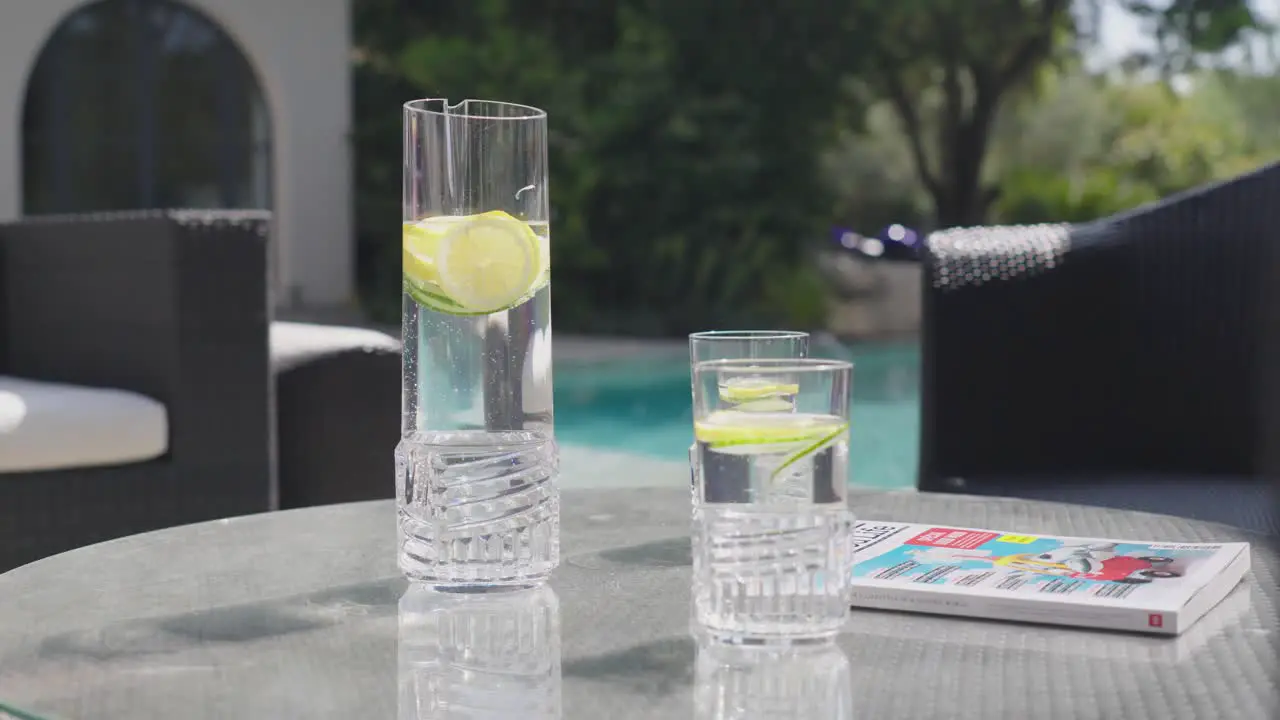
x=1115 y=584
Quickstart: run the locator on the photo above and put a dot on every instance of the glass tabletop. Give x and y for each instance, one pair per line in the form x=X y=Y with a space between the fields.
x=9 y=712
x=303 y=614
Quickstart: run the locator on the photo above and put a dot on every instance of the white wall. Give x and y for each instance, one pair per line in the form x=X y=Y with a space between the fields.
x=300 y=50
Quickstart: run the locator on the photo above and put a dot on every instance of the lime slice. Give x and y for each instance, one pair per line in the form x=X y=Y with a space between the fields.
x=773 y=405
x=816 y=444
x=726 y=428
x=745 y=389
x=420 y=245
x=472 y=265
x=744 y=433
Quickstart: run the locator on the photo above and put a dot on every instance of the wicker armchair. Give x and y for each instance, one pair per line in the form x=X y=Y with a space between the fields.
x=170 y=305
x=1131 y=362
x=338 y=413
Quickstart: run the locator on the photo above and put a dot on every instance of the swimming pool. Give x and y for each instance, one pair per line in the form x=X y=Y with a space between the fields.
x=642 y=406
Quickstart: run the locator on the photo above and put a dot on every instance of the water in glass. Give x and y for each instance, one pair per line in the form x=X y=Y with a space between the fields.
x=771 y=531
x=477 y=465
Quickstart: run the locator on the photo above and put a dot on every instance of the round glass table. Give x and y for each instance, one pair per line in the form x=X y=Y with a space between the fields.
x=302 y=614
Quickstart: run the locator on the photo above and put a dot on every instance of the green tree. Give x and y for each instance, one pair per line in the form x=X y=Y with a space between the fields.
x=1254 y=98
x=869 y=168
x=947 y=67
x=684 y=156
x=1095 y=145
x=1190 y=32
x=487 y=48
x=706 y=150
x=952 y=70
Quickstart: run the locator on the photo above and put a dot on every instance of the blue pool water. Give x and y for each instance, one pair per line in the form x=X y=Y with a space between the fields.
x=644 y=407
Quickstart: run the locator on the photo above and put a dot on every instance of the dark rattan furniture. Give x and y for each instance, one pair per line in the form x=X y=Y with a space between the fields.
x=171 y=305
x=294 y=615
x=338 y=413
x=1132 y=362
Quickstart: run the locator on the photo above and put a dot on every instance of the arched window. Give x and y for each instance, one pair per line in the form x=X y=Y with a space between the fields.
x=138 y=104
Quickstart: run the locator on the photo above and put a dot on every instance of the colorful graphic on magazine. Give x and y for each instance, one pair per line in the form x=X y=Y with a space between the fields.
x=960 y=558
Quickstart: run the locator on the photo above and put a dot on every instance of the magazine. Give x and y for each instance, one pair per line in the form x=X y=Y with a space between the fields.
x=1059 y=641
x=1139 y=586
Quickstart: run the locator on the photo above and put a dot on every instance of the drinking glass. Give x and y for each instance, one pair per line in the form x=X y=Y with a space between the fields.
x=755 y=683
x=772 y=550
x=477 y=464
x=738 y=344
x=479 y=655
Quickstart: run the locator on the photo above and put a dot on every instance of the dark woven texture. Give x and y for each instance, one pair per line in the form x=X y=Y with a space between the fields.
x=172 y=305
x=293 y=615
x=338 y=413
x=1121 y=352
x=1245 y=503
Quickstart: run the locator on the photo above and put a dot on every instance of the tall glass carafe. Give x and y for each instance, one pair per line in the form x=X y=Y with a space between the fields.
x=477 y=463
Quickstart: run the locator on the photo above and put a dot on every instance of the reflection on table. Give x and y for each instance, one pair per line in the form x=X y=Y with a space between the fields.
x=479 y=655
x=755 y=683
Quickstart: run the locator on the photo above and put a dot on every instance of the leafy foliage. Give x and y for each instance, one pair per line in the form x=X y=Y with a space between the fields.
x=1189 y=31
x=684 y=163
x=946 y=67
x=1122 y=143
x=699 y=149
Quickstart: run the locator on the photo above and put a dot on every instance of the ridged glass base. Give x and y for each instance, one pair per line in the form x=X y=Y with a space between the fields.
x=771 y=578
x=478 y=510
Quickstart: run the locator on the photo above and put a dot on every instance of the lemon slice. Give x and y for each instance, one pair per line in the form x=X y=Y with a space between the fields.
x=472 y=265
x=420 y=242
x=489 y=263
x=745 y=389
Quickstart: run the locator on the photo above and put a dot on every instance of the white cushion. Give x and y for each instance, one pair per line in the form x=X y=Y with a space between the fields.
x=50 y=426
x=293 y=343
